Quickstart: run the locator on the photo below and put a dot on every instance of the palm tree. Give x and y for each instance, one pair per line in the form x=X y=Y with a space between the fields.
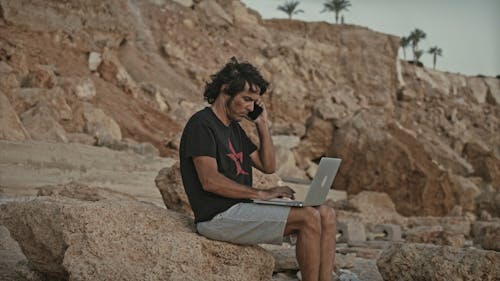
x=418 y=54
x=336 y=6
x=289 y=8
x=404 y=42
x=415 y=37
x=435 y=51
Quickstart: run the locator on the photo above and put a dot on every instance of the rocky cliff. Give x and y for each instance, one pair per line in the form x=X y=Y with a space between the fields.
x=125 y=75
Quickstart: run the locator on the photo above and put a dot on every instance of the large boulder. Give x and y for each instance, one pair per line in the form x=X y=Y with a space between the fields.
x=382 y=155
x=409 y=262
x=169 y=182
x=124 y=240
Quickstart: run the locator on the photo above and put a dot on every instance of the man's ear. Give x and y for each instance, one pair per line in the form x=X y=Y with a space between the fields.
x=223 y=89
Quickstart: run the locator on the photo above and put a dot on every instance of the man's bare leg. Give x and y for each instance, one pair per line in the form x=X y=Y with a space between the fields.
x=307 y=222
x=328 y=235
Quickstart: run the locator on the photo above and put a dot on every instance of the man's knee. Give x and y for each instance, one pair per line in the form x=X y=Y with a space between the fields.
x=328 y=216
x=312 y=219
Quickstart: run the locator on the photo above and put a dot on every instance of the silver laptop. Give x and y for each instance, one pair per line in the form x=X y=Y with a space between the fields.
x=320 y=185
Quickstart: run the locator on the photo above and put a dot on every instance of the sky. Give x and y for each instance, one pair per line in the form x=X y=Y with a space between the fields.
x=468 y=31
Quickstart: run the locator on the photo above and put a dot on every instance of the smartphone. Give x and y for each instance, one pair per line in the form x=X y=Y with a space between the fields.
x=257 y=110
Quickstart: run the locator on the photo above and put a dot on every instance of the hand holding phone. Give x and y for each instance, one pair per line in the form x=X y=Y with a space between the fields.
x=257 y=110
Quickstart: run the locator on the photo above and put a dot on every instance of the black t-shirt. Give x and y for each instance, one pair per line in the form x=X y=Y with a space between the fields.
x=206 y=135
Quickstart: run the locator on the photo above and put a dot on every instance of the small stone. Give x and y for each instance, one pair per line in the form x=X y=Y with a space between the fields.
x=95 y=60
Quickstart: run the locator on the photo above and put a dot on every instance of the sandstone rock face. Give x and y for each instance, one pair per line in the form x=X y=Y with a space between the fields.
x=124 y=240
x=427 y=262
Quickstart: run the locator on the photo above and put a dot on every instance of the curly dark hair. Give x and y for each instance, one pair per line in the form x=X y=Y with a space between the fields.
x=235 y=75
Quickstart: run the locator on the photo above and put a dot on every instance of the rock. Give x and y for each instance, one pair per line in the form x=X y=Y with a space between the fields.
x=487 y=234
x=403 y=262
x=295 y=129
x=81 y=138
x=286 y=164
x=485 y=216
x=173 y=52
x=215 y=13
x=185 y=3
x=327 y=110
x=100 y=125
x=144 y=148
x=319 y=136
x=286 y=141
x=344 y=260
x=84 y=89
x=434 y=235
x=489 y=201
x=366 y=269
x=265 y=181
x=169 y=182
x=486 y=163
x=28 y=165
x=82 y=192
x=124 y=240
x=41 y=76
x=453 y=225
x=55 y=99
x=11 y=127
x=493 y=96
x=386 y=157
x=112 y=70
x=479 y=88
x=95 y=60
x=41 y=125
x=376 y=207
x=466 y=192
x=347 y=275
x=284 y=257
x=13 y=264
x=108 y=23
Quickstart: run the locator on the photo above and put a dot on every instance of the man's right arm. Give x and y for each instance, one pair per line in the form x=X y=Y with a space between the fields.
x=213 y=181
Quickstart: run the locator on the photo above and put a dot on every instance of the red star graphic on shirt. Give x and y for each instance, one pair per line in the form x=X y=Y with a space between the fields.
x=237 y=158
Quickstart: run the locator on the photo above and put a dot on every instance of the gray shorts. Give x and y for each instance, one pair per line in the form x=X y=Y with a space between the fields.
x=247 y=224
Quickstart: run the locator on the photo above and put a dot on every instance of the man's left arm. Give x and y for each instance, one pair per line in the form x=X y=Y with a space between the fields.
x=264 y=158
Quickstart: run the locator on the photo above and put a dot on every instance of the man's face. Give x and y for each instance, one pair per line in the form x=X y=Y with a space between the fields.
x=242 y=103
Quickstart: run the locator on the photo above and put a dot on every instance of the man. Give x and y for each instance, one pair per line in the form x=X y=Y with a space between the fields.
x=216 y=158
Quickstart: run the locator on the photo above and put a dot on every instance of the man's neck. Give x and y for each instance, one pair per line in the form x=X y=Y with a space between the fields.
x=220 y=110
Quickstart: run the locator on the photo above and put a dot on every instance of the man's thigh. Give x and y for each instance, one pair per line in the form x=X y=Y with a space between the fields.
x=247 y=223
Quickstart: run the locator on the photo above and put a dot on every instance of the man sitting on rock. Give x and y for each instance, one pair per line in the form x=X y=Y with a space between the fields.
x=216 y=159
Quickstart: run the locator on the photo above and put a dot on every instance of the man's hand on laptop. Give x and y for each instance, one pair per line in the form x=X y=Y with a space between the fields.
x=277 y=192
